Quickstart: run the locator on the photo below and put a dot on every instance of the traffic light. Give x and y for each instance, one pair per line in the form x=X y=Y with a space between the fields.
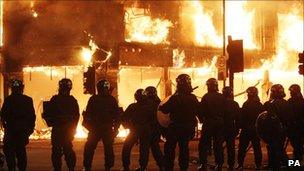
x=301 y=63
x=236 y=56
x=89 y=81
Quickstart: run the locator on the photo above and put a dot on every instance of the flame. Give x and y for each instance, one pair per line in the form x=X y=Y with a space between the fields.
x=87 y=52
x=54 y=71
x=291 y=28
x=178 y=58
x=290 y=42
x=34 y=13
x=205 y=32
x=282 y=68
x=81 y=132
x=143 y=28
x=57 y=73
x=208 y=68
x=239 y=23
x=123 y=132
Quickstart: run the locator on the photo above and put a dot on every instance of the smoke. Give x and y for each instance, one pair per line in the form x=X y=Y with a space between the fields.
x=55 y=36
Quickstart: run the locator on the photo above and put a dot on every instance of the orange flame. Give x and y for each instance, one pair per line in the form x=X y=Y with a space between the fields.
x=239 y=23
x=143 y=28
x=205 y=32
x=87 y=52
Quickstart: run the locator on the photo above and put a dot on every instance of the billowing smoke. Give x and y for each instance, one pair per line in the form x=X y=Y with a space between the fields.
x=52 y=32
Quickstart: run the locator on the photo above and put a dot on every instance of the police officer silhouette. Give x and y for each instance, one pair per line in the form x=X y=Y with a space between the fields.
x=211 y=110
x=18 y=119
x=64 y=115
x=182 y=107
x=101 y=120
x=138 y=118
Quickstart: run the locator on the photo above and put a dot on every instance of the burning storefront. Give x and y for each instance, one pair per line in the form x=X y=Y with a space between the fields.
x=136 y=44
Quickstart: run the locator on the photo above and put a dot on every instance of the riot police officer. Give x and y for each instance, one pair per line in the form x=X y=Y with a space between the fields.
x=64 y=115
x=231 y=114
x=101 y=120
x=138 y=118
x=250 y=110
x=157 y=129
x=211 y=110
x=18 y=119
x=296 y=101
x=182 y=106
x=279 y=107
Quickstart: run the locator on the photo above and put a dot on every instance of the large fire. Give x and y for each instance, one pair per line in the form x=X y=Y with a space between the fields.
x=140 y=27
x=239 y=23
x=199 y=25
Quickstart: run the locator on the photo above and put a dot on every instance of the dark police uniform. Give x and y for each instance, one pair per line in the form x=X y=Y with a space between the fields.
x=296 y=135
x=183 y=111
x=231 y=115
x=211 y=110
x=139 y=118
x=18 y=118
x=157 y=130
x=65 y=116
x=101 y=119
x=249 y=113
x=276 y=152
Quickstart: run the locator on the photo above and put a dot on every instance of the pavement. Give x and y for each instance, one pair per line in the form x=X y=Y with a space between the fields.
x=39 y=156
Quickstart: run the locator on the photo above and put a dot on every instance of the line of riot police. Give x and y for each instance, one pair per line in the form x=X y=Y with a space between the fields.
x=220 y=115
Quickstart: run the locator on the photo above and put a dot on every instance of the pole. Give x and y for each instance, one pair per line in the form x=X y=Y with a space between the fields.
x=224 y=38
x=231 y=78
x=168 y=86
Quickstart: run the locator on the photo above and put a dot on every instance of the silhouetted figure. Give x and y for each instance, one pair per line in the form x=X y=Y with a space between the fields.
x=138 y=118
x=182 y=107
x=157 y=129
x=231 y=115
x=64 y=115
x=18 y=119
x=249 y=113
x=101 y=120
x=296 y=101
x=278 y=106
x=211 y=110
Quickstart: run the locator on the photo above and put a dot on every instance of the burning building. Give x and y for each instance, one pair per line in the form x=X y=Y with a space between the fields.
x=139 y=43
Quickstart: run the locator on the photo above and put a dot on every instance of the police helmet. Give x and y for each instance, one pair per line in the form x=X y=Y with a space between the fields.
x=252 y=91
x=227 y=91
x=16 y=84
x=151 y=91
x=183 y=79
x=295 y=88
x=139 y=94
x=103 y=84
x=212 y=84
x=277 y=91
x=65 y=84
x=184 y=83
